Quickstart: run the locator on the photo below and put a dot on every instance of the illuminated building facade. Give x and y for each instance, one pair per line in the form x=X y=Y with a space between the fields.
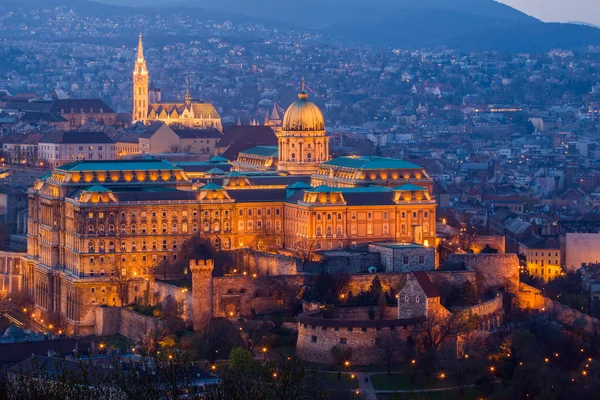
x=303 y=141
x=98 y=231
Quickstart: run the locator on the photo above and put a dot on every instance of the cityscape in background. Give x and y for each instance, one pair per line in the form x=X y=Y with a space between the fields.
x=217 y=203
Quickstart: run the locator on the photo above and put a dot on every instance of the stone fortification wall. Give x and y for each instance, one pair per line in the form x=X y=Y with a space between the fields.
x=243 y=295
x=492 y=270
x=162 y=292
x=405 y=258
x=478 y=242
x=452 y=278
x=530 y=298
x=118 y=320
x=317 y=335
x=489 y=313
x=267 y=263
x=349 y=261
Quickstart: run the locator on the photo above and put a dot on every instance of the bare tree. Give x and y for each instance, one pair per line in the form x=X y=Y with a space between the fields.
x=122 y=282
x=253 y=332
x=6 y=303
x=390 y=348
x=306 y=250
x=266 y=238
x=439 y=326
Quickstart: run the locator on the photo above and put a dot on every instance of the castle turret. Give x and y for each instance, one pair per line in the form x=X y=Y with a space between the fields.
x=202 y=292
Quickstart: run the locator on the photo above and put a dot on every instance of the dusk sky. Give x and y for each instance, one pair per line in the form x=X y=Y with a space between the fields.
x=559 y=10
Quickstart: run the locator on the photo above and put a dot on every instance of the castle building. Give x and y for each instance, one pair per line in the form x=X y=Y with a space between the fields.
x=148 y=105
x=99 y=230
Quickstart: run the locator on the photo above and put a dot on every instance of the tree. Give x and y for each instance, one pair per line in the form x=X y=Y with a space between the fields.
x=253 y=332
x=121 y=280
x=376 y=287
x=217 y=340
x=389 y=347
x=439 y=326
x=283 y=378
x=341 y=356
x=489 y=249
x=306 y=250
x=242 y=359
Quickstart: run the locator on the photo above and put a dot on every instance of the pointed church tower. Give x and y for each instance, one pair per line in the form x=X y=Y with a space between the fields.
x=274 y=121
x=140 y=86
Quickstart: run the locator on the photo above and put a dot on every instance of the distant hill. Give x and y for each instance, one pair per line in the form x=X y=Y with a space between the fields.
x=466 y=25
x=469 y=25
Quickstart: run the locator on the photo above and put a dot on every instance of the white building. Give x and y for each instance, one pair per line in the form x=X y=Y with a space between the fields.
x=58 y=148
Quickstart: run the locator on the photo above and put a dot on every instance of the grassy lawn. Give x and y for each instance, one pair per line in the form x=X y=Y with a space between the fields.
x=330 y=381
x=403 y=382
x=472 y=394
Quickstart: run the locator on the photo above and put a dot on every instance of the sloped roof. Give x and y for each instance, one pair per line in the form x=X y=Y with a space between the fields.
x=119 y=165
x=76 y=137
x=212 y=186
x=371 y=162
x=238 y=138
x=411 y=187
x=426 y=284
x=97 y=189
x=265 y=151
x=214 y=171
x=66 y=105
x=188 y=133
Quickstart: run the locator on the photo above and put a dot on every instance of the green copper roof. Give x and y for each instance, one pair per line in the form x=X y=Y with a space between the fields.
x=234 y=174
x=218 y=159
x=97 y=189
x=299 y=185
x=119 y=165
x=411 y=187
x=265 y=151
x=365 y=189
x=371 y=162
x=211 y=186
x=215 y=171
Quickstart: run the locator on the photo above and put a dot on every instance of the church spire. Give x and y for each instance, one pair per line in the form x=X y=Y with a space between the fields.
x=140 y=52
x=275 y=115
x=188 y=96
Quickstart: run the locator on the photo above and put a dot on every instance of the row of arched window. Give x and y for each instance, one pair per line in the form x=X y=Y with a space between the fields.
x=144 y=245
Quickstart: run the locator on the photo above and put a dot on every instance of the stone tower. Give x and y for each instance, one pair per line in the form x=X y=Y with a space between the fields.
x=202 y=292
x=140 y=86
x=303 y=141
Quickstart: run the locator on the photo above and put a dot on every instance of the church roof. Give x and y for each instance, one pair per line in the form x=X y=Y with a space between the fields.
x=200 y=109
x=371 y=162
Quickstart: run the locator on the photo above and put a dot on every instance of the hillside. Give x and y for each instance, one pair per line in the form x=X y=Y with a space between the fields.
x=466 y=25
